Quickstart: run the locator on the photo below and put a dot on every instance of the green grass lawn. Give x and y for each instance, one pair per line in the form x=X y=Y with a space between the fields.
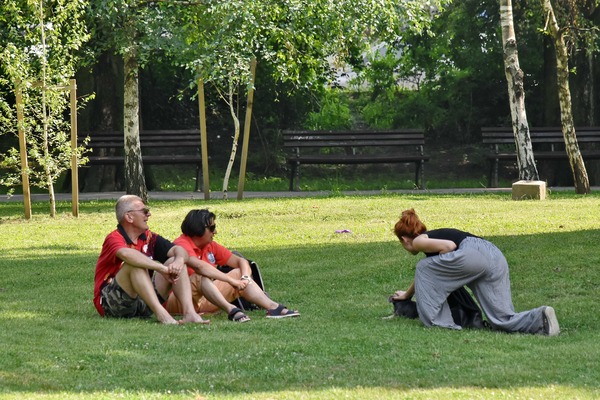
x=335 y=178
x=55 y=346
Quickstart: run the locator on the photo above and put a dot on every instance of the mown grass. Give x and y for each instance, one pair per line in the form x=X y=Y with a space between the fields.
x=333 y=178
x=55 y=346
x=336 y=178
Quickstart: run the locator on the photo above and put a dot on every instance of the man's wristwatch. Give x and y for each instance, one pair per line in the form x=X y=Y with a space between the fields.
x=245 y=277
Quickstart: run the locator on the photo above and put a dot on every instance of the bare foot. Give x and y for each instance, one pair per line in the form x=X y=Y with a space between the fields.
x=194 y=319
x=171 y=321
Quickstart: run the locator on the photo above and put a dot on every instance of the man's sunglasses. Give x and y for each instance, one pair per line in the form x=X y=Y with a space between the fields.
x=212 y=228
x=145 y=210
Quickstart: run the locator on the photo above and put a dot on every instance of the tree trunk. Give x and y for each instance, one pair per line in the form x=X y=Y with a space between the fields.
x=580 y=177
x=236 y=136
x=103 y=113
x=135 y=182
x=516 y=95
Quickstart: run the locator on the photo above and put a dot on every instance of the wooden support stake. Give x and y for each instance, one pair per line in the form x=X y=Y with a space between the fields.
x=203 y=140
x=74 y=167
x=23 y=151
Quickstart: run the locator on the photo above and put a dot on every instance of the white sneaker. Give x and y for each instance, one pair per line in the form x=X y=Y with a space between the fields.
x=551 y=327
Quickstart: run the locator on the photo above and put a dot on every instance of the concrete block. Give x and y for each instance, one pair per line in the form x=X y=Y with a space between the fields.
x=529 y=190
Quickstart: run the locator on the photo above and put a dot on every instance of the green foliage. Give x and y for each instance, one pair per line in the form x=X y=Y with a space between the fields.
x=449 y=79
x=298 y=38
x=131 y=27
x=379 y=113
x=378 y=104
x=38 y=57
x=55 y=346
x=334 y=113
x=579 y=22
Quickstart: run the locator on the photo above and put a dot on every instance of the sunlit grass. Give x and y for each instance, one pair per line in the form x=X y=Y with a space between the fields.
x=55 y=346
x=335 y=178
x=472 y=393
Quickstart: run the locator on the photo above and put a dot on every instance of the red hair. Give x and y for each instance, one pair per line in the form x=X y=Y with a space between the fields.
x=409 y=225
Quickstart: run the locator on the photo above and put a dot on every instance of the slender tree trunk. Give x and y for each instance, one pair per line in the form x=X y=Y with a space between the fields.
x=135 y=182
x=516 y=95
x=236 y=136
x=46 y=146
x=47 y=157
x=580 y=177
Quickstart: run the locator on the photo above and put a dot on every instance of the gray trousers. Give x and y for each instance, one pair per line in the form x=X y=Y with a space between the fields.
x=481 y=266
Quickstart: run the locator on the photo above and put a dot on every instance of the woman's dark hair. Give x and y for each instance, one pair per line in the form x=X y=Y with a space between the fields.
x=196 y=221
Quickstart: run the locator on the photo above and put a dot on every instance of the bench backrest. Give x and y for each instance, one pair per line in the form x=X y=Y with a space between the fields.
x=148 y=138
x=504 y=135
x=321 y=139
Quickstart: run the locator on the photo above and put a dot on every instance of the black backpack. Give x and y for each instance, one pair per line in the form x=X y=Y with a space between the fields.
x=465 y=311
x=240 y=302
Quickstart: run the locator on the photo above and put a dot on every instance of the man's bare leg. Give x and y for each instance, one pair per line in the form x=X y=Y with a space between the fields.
x=183 y=292
x=136 y=282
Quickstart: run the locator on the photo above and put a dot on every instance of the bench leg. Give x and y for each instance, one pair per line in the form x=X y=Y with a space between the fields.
x=198 y=178
x=494 y=172
x=419 y=175
x=294 y=176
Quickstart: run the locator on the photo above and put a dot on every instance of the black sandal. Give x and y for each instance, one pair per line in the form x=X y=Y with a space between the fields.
x=278 y=312
x=237 y=315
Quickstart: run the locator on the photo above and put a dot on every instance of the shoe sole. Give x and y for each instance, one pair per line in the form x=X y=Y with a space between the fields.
x=284 y=315
x=553 y=328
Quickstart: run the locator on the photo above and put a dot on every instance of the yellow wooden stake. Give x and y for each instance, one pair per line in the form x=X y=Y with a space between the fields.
x=23 y=151
x=74 y=167
x=203 y=140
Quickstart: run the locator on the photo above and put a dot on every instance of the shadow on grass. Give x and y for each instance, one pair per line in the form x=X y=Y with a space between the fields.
x=53 y=340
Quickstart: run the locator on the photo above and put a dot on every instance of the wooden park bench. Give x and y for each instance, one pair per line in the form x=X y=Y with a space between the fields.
x=547 y=142
x=354 y=147
x=159 y=147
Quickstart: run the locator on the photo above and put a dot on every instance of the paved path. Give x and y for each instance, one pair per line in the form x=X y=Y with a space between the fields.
x=249 y=195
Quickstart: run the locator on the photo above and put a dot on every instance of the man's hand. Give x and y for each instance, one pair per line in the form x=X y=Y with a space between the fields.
x=174 y=266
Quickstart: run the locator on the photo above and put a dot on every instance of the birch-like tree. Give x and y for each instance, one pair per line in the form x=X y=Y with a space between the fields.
x=516 y=95
x=559 y=38
x=137 y=30
x=39 y=55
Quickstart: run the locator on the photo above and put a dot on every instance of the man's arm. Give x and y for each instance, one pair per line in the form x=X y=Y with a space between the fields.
x=139 y=260
x=174 y=266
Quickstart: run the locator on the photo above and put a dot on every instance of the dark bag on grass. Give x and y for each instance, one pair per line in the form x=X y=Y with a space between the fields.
x=240 y=302
x=465 y=311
